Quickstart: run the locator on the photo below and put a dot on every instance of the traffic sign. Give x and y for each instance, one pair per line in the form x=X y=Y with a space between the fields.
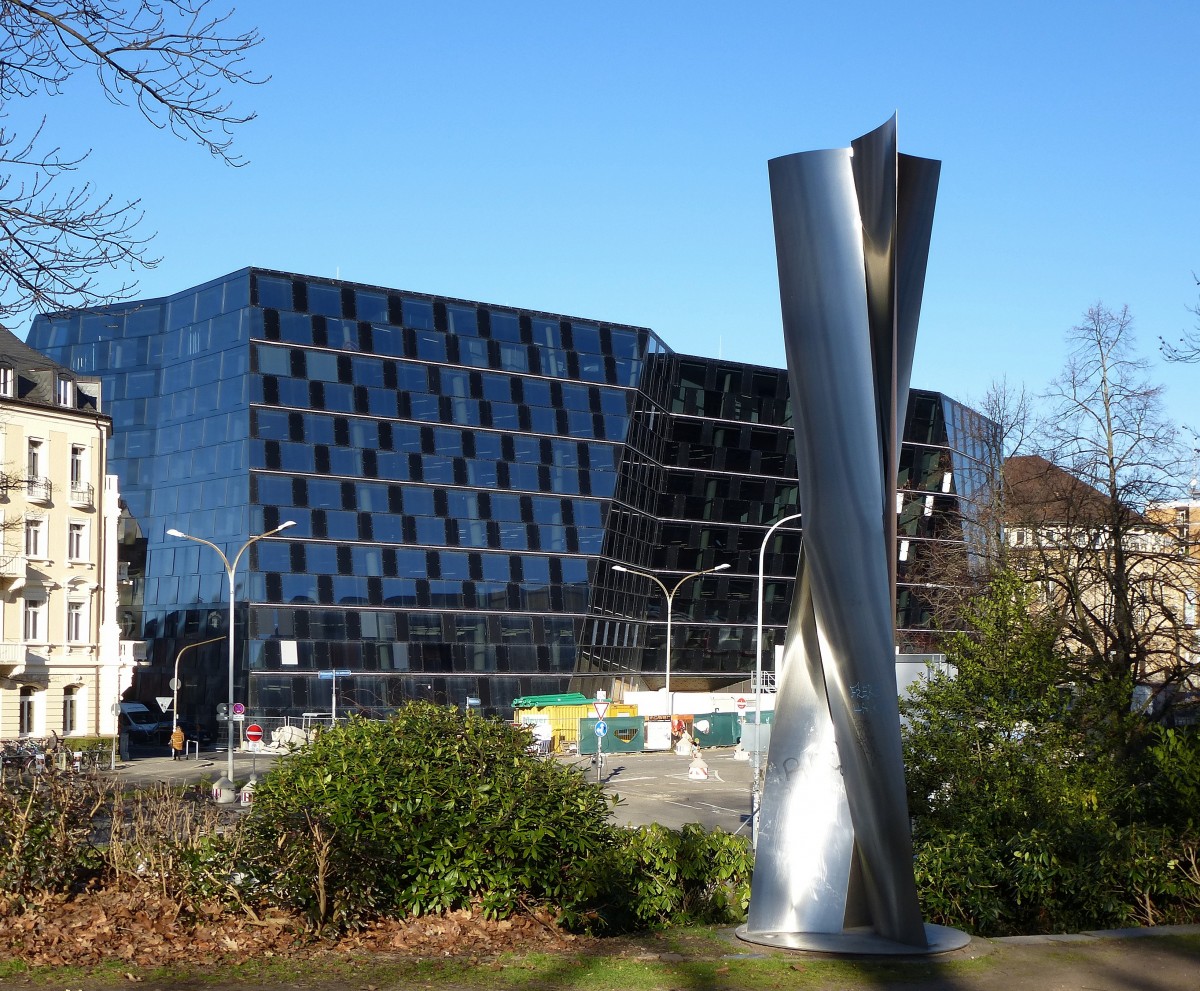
x=601 y=707
x=741 y=703
x=164 y=702
x=602 y=729
x=174 y=684
x=239 y=709
x=338 y=673
x=254 y=732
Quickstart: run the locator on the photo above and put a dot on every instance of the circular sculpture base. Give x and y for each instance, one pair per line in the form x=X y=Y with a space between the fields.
x=859 y=942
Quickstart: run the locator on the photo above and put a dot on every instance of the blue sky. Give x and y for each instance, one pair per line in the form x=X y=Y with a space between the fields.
x=609 y=161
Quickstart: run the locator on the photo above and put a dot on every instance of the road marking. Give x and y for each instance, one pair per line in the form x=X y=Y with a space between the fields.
x=621 y=779
x=718 y=808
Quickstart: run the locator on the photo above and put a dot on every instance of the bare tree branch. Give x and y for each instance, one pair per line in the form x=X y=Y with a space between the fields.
x=173 y=60
x=1187 y=347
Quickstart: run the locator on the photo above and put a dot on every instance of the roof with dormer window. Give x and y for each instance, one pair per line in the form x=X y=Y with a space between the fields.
x=36 y=376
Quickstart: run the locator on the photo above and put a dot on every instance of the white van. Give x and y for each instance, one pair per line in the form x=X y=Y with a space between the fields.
x=139 y=722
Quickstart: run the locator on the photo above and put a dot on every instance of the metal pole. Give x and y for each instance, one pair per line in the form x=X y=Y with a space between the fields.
x=670 y=595
x=670 y=613
x=175 y=680
x=231 y=571
x=756 y=794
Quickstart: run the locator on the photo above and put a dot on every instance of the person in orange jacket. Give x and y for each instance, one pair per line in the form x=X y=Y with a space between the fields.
x=177 y=742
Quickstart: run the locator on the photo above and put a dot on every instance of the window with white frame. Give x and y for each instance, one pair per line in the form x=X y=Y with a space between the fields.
x=70 y=709
x=77 y=621
x=65 y=391
x=6 y=380
x=35 y=620
x=25 y=712
x=76 y=541
x=35 y=537
x=78 y=465
x=34 y=460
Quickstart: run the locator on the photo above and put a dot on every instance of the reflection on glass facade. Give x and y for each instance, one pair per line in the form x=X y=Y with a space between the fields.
x=462 y=478
x=947 y=473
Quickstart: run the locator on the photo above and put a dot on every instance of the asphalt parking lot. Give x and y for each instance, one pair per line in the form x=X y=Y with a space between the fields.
x=653 y=786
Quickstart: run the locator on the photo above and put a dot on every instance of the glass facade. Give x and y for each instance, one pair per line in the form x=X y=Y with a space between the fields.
x=461 y=476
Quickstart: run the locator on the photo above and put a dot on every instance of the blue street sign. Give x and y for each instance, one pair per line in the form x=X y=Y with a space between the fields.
x=330 y=675
x=601 y=728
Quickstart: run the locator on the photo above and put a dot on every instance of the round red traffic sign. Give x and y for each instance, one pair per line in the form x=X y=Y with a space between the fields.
x=741 y=703
x=254 y=733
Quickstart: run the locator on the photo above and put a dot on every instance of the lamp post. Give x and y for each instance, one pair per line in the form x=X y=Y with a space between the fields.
x=231 y=571
x=175 y=680
x=670 y=597
x=756 y=794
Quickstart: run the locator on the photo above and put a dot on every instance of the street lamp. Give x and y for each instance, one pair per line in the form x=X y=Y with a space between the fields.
x=758 y=637
x=670 y=597
x=231 y=571
x=175 y=680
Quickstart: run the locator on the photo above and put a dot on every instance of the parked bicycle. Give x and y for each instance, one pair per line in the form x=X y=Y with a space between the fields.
x=25 y=755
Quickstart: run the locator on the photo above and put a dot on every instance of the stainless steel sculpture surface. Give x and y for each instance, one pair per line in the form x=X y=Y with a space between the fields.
x=833 y=868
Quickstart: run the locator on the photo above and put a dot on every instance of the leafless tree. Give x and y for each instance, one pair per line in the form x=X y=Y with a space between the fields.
x=1187 y=347
x=1090 y=517
x=173 y=60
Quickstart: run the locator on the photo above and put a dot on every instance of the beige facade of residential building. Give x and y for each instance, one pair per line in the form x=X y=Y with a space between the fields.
x=1060 y=534
x=63 y=665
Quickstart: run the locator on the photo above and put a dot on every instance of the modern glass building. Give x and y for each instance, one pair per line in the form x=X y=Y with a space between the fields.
x=462 y=478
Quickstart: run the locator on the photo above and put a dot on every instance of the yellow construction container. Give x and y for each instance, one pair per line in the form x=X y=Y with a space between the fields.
x=564 y=717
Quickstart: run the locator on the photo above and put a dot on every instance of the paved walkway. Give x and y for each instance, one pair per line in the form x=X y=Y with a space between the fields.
x=1160 y=959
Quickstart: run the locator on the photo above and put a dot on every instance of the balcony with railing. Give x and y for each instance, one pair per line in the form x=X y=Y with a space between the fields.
x=11 y=653
x=83 y=495
x=38 y=489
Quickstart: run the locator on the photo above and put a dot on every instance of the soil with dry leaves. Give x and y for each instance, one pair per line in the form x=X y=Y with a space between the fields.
x=149 y=931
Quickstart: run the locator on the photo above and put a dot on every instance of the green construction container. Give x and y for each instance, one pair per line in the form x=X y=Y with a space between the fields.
x=724 y=729
x=626 y=735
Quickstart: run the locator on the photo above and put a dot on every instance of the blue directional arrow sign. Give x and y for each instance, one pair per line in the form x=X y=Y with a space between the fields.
x=601 y=728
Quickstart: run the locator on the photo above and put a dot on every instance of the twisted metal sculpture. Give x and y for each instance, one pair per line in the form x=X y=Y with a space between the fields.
x=833 y=868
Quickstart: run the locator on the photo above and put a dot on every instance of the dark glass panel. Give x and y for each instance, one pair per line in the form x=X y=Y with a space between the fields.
x=514 y=357
x=425 y=407
x=418 y=313
x=585 y=338
x=370 y=306
x=546 y=333
x=431 y=345
x=473 y=352
x=505 y=326
x=462 y=320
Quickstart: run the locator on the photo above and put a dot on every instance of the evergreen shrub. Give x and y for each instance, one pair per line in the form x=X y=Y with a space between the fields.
x=428 y=811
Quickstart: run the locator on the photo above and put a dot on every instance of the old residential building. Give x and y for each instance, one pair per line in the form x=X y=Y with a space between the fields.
x=62 y=666
x=1122 y=580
